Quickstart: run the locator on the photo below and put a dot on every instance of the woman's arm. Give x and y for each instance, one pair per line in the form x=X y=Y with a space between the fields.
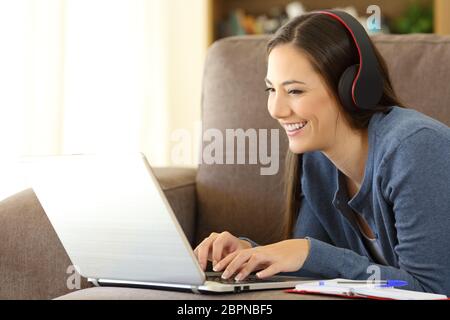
x=418 y=187
x=307 y=225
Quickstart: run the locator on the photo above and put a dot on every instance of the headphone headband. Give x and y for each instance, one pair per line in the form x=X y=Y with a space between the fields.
x=360 y=85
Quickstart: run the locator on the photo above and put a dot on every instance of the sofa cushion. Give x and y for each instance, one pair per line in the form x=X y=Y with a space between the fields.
x=420 y=72
x=111 y=293
x=236 y=197
x=179 y=187
x=33 y=263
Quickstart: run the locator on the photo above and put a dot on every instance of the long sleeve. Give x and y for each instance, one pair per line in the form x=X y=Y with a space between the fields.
x=307 y=224
x=415 y=181
x=253 y=243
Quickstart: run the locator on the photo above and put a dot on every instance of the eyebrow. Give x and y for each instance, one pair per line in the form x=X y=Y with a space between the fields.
x=286 y=82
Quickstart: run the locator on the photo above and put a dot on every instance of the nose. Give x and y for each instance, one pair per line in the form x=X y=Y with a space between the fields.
x=278 y=108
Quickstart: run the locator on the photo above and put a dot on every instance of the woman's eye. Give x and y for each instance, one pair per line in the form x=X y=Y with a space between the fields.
x=289 y=92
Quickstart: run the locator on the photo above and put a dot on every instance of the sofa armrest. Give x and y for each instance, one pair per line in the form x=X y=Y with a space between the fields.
x=33 y=262
x=179 y=187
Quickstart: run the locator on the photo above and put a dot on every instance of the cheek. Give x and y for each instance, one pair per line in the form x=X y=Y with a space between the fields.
x=319 y=110
x=312 y=108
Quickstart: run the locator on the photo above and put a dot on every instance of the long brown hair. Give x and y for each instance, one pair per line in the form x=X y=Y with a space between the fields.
x=330 y=49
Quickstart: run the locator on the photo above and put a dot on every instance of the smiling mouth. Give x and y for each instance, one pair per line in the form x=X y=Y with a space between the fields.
x=295 y=127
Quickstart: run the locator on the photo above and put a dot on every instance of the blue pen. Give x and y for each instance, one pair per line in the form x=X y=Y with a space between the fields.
x=394 y=283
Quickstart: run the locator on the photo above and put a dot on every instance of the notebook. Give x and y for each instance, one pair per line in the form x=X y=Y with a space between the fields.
x=358 y=290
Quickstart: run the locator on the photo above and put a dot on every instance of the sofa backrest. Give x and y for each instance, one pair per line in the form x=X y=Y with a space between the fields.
x=236 y=197
x=420 y=71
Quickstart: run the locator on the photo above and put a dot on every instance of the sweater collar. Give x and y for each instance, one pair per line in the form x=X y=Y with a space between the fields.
x=361 y=201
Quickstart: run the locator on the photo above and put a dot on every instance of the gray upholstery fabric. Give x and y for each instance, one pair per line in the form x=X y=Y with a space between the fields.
x=147 y=294
x=420 y=71
x=236 y=197
x=178 y=185
x=33 y=263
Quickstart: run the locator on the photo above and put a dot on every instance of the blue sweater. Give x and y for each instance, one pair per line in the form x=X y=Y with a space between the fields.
x=404 y=197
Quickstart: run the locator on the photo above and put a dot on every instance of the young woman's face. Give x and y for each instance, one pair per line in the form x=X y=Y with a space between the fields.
x=299 y=100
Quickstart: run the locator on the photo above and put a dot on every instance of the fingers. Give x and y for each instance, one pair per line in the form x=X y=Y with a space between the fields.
x=225 y=261
x=245 y=262
x=203 y=250
x=223 y=241
x=271 y=259
x=237 y=260
x=215 y=247
x=269 y=271
x=256 y=262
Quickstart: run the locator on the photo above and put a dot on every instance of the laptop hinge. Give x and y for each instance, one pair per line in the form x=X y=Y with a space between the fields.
x=194 y=289
x=94 y=282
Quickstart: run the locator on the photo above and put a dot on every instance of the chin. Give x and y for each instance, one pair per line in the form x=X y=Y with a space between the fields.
x=300 y=148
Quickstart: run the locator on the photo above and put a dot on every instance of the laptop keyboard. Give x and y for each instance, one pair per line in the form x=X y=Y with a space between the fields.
x=249 y=279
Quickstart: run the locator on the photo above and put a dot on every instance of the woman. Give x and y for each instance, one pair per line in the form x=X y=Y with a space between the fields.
x=373 y=199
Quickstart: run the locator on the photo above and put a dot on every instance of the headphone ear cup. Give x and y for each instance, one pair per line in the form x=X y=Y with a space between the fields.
x=345 y=87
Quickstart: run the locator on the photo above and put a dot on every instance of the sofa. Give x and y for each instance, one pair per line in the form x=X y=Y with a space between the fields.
x=214 y=197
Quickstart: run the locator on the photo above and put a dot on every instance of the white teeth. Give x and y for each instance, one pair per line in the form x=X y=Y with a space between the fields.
x=295 y=126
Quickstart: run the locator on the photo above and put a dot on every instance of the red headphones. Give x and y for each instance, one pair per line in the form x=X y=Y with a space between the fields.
x=360 y=85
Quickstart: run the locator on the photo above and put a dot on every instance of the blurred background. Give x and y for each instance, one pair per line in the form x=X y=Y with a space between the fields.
x=88 y=76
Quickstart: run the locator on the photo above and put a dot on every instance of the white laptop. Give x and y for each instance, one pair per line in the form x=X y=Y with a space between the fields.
x=118 y=228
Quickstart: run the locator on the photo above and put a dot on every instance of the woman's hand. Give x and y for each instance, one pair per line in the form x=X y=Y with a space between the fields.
x=217 y=246
x=284 y=256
